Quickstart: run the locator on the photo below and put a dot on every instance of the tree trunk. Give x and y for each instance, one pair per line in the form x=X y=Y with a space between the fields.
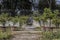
x=0 y=9
x=44 y=23
x=50 y=23
x=49 y=3
x=4 y=28
x=57 y=25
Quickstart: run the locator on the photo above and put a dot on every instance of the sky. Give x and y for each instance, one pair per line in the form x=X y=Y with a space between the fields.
x=37 y=1
x=58 y=2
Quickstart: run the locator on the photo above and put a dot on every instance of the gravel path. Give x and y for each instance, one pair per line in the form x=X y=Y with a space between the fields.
x=27 y=36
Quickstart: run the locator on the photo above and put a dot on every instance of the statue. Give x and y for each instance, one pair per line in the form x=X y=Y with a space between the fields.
x=30 y=21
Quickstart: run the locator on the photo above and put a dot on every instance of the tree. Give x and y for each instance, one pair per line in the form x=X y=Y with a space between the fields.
x=23 y=19
x=47 y=15
x=56 y=18
x=15 y=20
x=3 y=18
x=19 y=4
x=47 y=4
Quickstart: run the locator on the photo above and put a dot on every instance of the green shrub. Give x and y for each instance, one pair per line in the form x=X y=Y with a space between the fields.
x=23 y=19
x=48 y=35
x=38 y=28
x=36 y=18
x=5 y=35
x=56 y=34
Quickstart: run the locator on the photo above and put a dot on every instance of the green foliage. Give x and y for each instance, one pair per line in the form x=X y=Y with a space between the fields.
x=36 y=18
x=38 y=28
x=49 y=35
x=48 y=13
x=56 y=12
x=5 y=35
x=15 y=19
x=23 y=19
x=3 y=17
x=36 y=13
x=56 y=21
x=56 y=35
x=56 y=18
